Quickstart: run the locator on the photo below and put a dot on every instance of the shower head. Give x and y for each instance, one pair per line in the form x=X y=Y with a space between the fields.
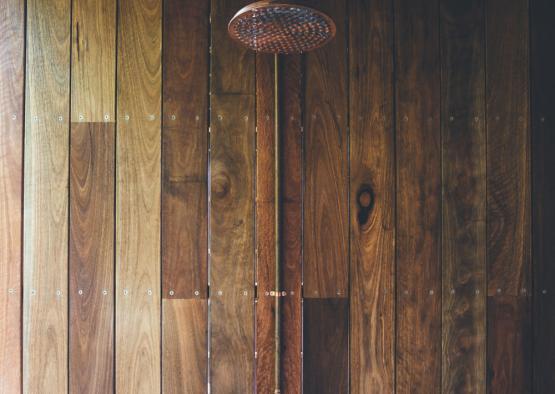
x=272 y=27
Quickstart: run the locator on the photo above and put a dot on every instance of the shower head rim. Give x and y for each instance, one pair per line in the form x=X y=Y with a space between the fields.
x=278 y=4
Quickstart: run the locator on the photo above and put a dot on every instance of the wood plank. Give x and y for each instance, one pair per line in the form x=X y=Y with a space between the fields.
x=543 y=231
x=185 y=149
x=464 y=196
x=509 y=345
x=138 y=175
x=292 y=200
x=418 y=337
x=93 y=63
x=326 y=259
x=45 y=250
x=232 y=244
x=184 y=346
x=233 y=65
x=372 y=197
x=266 y=346
x=184 y=197
x=232 y=207
x=12 y=52
x=326 y=345
x=91 y=258
x=508 y=196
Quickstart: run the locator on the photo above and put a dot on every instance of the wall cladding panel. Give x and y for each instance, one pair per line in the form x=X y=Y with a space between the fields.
x=12 y=48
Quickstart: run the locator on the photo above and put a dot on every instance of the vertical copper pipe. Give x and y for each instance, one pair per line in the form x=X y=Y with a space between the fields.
x=277 y=201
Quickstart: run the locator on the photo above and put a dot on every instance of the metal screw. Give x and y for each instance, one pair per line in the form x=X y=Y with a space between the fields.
x=80 y=292
x=544 y=291
x=125 y=292
x=105 y=292
x=172 y=292
x=246 y=118
x=33 y=292
x=58 y=293
x=197 y=118
x=149 y=292
x=173 y=117
x=245 y=293
x=220 y=292
x=151 y=117
x=197 y=292
x=452 y=291
x=477 y=291
x=81 y=117
x=11 y=291
x=498 y=291
x=126 y=117
x=220 y=117
x=431 y=292
x=107 y=117
x=14 y=117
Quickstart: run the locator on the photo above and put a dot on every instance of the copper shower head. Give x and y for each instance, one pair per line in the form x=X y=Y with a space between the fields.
x=272 y=27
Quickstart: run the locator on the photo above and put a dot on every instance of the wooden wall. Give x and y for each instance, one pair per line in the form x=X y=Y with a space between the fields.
x=137 y=222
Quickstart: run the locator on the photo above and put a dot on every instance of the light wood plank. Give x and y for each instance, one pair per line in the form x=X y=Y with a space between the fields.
x=138 y=163
x=93 y=63
x=45 y=301
x=12 y=30
x=372 y=198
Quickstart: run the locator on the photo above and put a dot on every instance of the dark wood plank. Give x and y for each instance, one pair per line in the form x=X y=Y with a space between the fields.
x=185 y=196
x=232 y=207
x=464 y=196
x=45 y=234
x=291 y=265
x=326 y=232
x=508 y=196
x=233 y=65
x=184 y=346
x=372 y=197
x=12 y=31
x=265 y=226
x=138 y=174
x=91 y=258
x=508 y=164
x=185 y=149
x=509 y=345
x=326 y=346
x=232 y=244
x=418 y=338
x=543 y=197
x=93 y=62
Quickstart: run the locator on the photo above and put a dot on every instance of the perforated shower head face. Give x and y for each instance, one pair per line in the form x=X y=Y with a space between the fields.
x=272 y=27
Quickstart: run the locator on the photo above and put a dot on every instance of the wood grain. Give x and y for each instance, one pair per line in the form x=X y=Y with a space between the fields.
x=45 y=249
x=12 y=30
x=232 y=207
x=185 y=149
x=292 y=228
x=542 y=60
x=91 y=258
x=265 y=225
x=233 y=65
x=232 y=244
x=184 y=346
x=326 y=263
x=508 y=196
x=418 y=333
x=464 y=196
x=184 y=196
x=138 y=190
x=372 y=197
x=326 y=346
x=93 y=61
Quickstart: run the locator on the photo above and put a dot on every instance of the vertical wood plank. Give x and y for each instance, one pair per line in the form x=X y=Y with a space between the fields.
x=418 y=337
x=372 y=198
x=185 y=149
x=138 y=174
x=93 y=62
x=232 y=244
x=232 y=205
x=326 y=245
x=91 y=240
x=45 y=319
x=292 y=227
x=184 y=346
x=184 y=197
x=326 y=329
x=91 y=258
x=12 y=31
x=265 y=225
x=543 y=148
x=464 y=196
x=508 y=197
